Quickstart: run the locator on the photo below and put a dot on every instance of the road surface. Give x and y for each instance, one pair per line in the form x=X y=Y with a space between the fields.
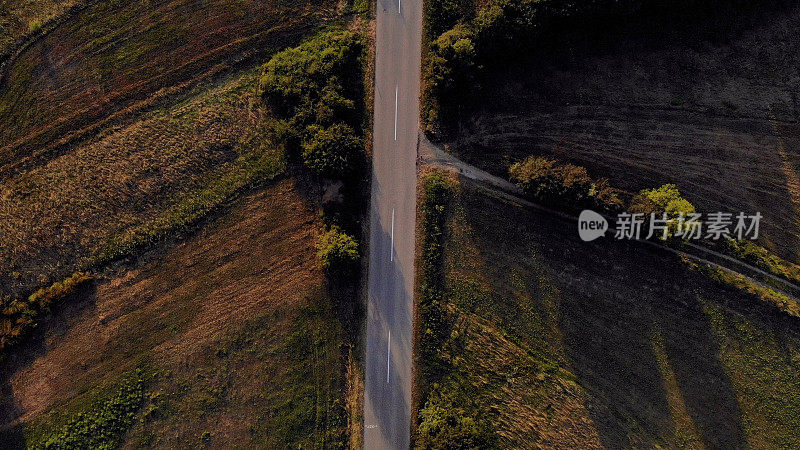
x=387 y=394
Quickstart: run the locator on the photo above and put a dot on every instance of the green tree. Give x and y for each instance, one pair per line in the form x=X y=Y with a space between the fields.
x=331 y=151
x=337 y=251
x=536 y=176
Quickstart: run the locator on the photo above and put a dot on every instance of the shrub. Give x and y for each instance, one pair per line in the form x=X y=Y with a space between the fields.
x=443 y=425
x=665 y=199
x=536 y=176
x=337 y=251
x=434 y=323
x=574 y=183
x=315 y=85
x=17 y=316
x=450 y=74
x=547 y=182
x=441 y=15
x=34 y=25
x=331 y=152
x=668 y=199
x=604 y=197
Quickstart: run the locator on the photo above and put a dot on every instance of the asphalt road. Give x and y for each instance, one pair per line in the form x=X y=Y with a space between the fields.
x=387 y=396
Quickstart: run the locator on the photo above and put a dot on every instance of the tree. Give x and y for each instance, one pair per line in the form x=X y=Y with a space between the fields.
x=604 y=197
x=331 y=151
x=337 y=251
x=536 y=176
x=575 y=184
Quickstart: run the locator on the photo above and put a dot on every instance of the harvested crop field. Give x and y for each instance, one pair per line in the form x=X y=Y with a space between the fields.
x=718 y=117
x=567 y=344
x=117 y=57
x=235 y=324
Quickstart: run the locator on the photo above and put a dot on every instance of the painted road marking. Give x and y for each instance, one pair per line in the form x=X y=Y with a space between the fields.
x=396 y=100
x=391 y=250
x=388 y=352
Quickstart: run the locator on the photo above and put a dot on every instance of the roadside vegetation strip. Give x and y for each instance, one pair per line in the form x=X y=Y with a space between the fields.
x=565 y=189
x=317 y=99
x=444 y=416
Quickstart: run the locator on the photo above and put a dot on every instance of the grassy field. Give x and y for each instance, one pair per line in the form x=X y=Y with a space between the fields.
x=116 y=58
x=653 y=100
x=233 y=334
x=133 y=185
x=559 y=343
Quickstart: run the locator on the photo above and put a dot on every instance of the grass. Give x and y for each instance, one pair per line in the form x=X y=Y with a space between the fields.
x=737 y=281
x=563 y=343
x=20 y=18
x=763 y=258
x=300 y=404
x=134 y=185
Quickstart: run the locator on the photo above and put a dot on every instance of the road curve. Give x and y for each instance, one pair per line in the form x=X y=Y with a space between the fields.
x=387 y=393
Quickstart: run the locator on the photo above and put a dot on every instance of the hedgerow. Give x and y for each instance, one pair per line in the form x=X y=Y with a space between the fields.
x=19 y=316
x=565 y=185
x=434 y=326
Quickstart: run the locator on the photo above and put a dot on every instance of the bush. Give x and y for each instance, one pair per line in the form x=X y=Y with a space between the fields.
x=294 y=79
x=17 y=316
x=547 y=182
x=665 y=199
x=331 y=152
x=605 y=198
x=337 y=251
x=450 y=74
x=536 y=177
x=311 y=89
x=668 y=199
x=442 y=15
x=443 y=425
x=34 y=25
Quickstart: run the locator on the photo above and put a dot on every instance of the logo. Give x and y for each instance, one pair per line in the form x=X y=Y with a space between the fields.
x=591 y=225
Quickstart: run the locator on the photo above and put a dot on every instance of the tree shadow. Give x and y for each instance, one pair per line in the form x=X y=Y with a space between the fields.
x=610 y=299
x=12 y=435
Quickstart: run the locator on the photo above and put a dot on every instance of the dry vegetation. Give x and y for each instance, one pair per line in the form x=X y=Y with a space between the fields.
x=564 y=344
x=117 y=57
x=20 y=18
x=132 y=185
x=653 y=101
x=234 y=326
